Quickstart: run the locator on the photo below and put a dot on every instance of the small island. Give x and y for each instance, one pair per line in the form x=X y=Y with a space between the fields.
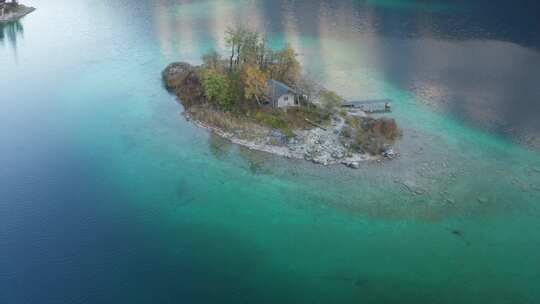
x=13 y=11
x=257 y=97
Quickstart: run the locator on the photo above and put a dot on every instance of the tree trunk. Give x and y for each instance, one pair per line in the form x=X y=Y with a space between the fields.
x=231 y=60
x=238 y=54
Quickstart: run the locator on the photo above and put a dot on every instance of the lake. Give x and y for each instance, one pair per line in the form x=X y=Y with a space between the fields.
x=109 y=195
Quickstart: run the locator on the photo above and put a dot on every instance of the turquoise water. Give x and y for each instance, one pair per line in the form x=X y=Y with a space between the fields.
x=108 y=195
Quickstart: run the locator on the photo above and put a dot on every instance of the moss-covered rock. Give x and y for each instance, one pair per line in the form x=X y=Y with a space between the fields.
x=175 y=74
x=183 y=80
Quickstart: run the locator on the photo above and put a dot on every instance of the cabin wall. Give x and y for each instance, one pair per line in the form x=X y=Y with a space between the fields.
x=286 y=100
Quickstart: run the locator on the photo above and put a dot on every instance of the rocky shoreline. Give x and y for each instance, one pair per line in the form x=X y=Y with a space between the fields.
x=316 y=145
x=17 y=14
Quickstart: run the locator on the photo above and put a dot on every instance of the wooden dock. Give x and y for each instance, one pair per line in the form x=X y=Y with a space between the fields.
x=369 y=106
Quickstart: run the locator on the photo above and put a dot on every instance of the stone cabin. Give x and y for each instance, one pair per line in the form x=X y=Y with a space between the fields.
x=280 y=95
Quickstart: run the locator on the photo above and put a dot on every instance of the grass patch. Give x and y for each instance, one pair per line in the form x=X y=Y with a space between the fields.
x=274 y=121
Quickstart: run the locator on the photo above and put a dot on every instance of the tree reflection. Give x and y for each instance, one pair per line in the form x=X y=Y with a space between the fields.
x=10 y=31
x=257 y=162
x=218 y=146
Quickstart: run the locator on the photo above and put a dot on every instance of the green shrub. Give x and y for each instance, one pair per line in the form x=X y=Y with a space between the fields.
x=330 y=101
x=274 y=120
x=270 y=120
x=216 y=88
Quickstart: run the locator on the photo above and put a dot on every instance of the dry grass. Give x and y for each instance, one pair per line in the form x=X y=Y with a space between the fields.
x=227 y=121
x=289 y=119
x=257 y=121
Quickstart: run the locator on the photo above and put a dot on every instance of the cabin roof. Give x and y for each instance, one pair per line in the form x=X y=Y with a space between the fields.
x=277 y=89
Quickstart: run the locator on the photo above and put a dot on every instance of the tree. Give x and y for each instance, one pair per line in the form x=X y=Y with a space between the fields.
x=234 y=39
x=254 y=82
x=212 y=60
x=252 y=62
x=216 y=88
x=307 y=86
x=247 y=47
x=249 y=52
x=330 y=101
x=285 y=67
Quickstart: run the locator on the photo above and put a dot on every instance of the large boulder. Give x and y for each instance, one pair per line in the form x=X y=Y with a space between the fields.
x=184 y=80
x=175 y=74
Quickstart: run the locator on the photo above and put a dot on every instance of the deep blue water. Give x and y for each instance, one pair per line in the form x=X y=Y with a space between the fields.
x=108 y=195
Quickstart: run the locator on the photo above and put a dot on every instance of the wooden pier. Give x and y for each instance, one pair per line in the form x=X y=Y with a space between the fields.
x=369 y=106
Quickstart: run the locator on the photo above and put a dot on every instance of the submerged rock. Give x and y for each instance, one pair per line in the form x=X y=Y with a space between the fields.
x=482 y=200
x=457 y=232
x=351 y=164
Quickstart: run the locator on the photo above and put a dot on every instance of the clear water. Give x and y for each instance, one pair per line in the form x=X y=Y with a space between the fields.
x=107 y=194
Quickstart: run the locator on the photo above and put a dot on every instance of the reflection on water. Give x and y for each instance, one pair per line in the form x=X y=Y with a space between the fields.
x=255 y=162
x=218 y=146
x=10 y=32
x=190 y=23
x=451 y=55
x=413 y=5
x=106 y=193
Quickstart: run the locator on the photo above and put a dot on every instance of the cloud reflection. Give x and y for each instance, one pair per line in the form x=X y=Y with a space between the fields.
x=459 y=62
x=187 y=28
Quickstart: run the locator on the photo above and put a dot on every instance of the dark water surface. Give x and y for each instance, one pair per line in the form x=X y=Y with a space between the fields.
x=107 y=194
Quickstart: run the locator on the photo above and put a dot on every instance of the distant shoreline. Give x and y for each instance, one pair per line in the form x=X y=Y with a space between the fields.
x=20 y=12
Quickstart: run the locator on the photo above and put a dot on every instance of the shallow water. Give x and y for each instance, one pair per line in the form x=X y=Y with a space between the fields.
x=108 y=195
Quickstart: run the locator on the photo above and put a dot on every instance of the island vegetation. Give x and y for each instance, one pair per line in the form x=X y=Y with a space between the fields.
x=13 y=10
x=258 y=97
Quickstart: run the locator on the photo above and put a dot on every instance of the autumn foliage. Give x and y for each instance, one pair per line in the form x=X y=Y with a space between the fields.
x=254 y=81
x=241 y=76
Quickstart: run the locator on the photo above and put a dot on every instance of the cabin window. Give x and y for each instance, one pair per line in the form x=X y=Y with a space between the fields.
x=286 y=98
